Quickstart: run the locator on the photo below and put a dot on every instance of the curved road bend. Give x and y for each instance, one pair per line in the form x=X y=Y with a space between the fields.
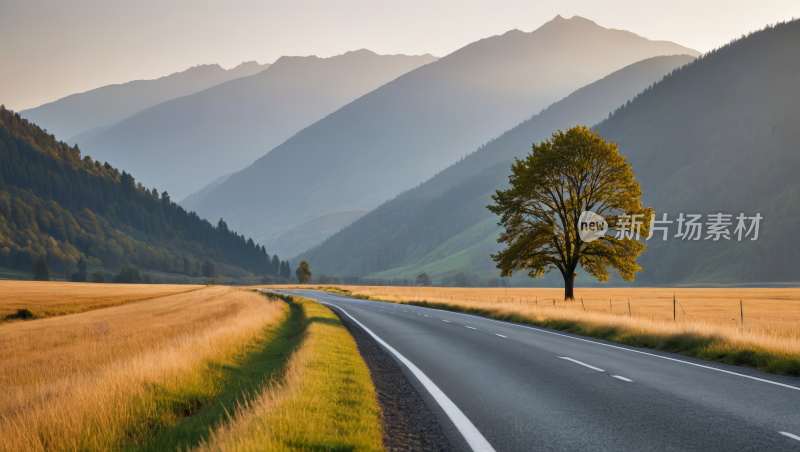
x=525 y=388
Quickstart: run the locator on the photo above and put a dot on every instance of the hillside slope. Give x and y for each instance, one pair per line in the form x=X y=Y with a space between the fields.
x=443 y=226
x=198 y=138
x=56 y=204
x=102 y=107
x=720 y=135
x=408 y=130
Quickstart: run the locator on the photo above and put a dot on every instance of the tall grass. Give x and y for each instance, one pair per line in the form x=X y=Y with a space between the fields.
x=51 y=298
x=769 y=339
x=326 y=401
x=109 y=378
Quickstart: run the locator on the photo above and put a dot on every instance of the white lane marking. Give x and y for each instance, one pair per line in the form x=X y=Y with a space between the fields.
x=428 y=316
x=631 y=351
x=471 y=434
x=790 y=435
x=446 y=321
x=622 y=378
x=582 y=364
x=499 y=335
x=622 y=348
x=471 y=328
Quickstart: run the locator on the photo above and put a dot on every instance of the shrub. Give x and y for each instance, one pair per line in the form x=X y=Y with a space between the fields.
x=41 y=271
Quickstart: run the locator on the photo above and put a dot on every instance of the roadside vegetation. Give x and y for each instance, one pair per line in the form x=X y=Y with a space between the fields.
x=184 y=371
x=705 y=323
x=51 y=299
x=326 y=401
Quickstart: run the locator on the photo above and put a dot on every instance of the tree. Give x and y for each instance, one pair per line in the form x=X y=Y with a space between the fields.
x=267 y=279
x=303 y=273
x=208 y=269
x=41 y=271
x=572 y=172
x=423 y=279
x=323 y=279
x=83 y=271
x=461 y=279
x=129 y=274
x=98 y=277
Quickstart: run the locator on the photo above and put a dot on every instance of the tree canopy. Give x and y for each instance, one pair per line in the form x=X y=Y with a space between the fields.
x=303 y=273
x=572 y=172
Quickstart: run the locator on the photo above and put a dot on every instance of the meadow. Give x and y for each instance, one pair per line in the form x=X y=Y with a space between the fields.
x=183 y=371
x=50 y=298
x=705 y=323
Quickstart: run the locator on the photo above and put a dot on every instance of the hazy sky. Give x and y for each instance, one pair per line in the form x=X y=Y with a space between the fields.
x=53 y=48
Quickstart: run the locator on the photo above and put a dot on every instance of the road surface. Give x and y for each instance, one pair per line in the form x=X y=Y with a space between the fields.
x=508 y=387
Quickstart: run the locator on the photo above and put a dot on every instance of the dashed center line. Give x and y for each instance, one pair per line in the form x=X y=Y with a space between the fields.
x=428 y=316
x=582 y=364
x=471 y=327
x=622 y=378
x=446 y=321
x=790 y=435
x=499 y=335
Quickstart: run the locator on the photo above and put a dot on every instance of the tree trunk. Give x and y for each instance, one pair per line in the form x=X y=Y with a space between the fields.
x=569 y=284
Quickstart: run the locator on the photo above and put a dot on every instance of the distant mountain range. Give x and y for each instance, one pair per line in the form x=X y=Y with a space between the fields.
x=404 y=132
x=443 y=226
x=719 y=135
x=79 y=116
x=182 y=144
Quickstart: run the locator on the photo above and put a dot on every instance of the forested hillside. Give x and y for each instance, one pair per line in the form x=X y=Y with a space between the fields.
x=443 y=226
x=722 y=135
x=57 y=204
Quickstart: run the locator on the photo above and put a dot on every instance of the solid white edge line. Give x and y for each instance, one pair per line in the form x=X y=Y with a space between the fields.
x=582 y=364
x=622 y=378
x=541 y=330
x=471 y=434
x=499 y=335
x=790 y=435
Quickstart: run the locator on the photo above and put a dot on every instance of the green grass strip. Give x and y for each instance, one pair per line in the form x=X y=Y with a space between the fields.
x=693 y=345
x=327 y=402
x=193 y=409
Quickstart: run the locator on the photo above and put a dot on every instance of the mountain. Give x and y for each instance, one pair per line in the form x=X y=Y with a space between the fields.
x=312 y=232
x=104 y=106
x=442 y=226
x=719 y=135
x=404 y=132
x=67 y=208
x=182 y=144
x=191 y=201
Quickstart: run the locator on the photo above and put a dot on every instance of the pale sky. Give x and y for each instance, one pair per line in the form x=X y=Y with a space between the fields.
x=53 y=48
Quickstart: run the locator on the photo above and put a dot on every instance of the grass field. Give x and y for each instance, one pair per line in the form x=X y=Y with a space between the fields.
x=325 y=402
x=218 y=368
x=707 y=322
x=108 y=378
x=50 y=299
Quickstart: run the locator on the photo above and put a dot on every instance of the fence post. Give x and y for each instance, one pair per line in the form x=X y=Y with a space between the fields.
x=673 y=307
x=629 y=308
x=584 y=306
x=610 y=308
x=741 y=311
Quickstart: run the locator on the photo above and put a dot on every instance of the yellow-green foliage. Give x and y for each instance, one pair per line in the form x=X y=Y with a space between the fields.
x=326 y=400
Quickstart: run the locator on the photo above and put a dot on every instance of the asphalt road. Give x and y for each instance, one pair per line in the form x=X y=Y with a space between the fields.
x=524 y=388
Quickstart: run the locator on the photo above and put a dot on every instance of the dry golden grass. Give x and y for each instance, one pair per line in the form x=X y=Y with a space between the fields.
x=86 y=381
x=707 y=323
x=769 y=309
x=49 y=299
